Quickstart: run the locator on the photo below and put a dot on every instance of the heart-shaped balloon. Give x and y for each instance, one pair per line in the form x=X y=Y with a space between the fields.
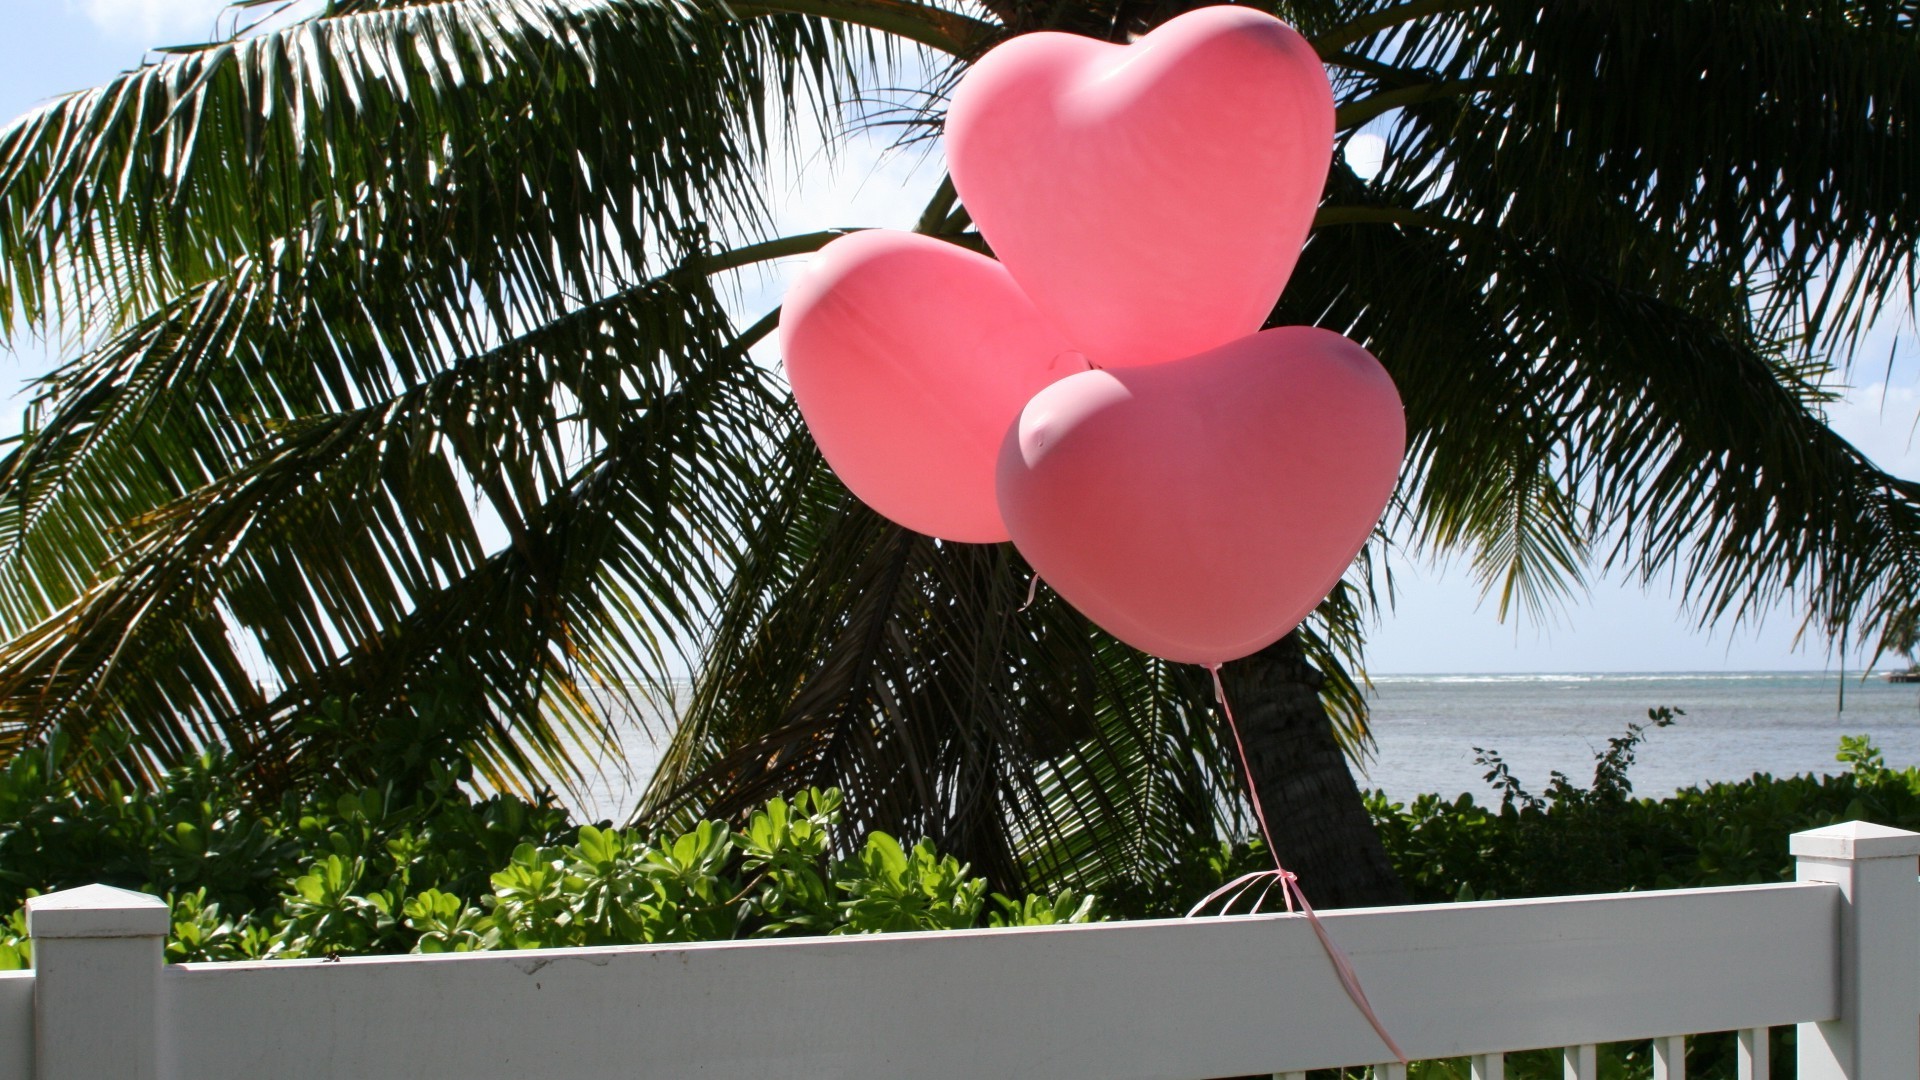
x=1199 y=509
x=910 y=358
x=1151 y=198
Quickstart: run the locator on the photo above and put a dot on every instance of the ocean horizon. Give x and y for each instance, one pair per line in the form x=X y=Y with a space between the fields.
x=1735 y=724
x=1427 y=728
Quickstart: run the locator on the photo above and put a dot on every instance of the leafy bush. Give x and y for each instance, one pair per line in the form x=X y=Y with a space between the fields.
x=197 y=830
x=418 y=864
x=1600 y=838
x=383 y=871
x=1571 y=839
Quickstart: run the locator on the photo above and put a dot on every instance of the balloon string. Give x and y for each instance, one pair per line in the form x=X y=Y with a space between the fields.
x=1290 y=884
x=1239 y=886
x=1246 y=768
x=1033 y=591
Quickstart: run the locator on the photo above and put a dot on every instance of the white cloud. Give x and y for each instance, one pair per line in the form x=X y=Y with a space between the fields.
x=152 y=22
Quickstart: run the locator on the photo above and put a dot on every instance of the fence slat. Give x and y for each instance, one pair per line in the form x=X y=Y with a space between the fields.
x=1838 y=954
x=1670 y=1058
x=1202 y=995
x=1753 y=1056
x=16 y=1025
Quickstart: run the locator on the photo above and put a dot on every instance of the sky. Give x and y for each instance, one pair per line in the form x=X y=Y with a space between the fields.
x=1437 y=621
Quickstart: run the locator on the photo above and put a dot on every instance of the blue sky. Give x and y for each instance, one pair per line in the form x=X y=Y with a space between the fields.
x=1438 y=623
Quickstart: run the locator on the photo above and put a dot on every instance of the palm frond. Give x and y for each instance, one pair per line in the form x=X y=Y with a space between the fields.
x=1558 y=394
x=326 y=323
x=342 y=553
x=551 y=143
x=1763 y=140
x=910 y=674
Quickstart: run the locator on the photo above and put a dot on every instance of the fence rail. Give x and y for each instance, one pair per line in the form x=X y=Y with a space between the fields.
x=1837 y=952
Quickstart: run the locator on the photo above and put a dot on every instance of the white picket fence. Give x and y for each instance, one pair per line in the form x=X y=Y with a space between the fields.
x=1836 y=952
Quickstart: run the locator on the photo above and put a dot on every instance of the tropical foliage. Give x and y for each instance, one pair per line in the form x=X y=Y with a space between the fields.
x=1598 y=837
x=401 y=391
x=417 y=865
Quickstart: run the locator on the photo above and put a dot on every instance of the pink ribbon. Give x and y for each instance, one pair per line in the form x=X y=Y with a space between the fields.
x=1290 y=890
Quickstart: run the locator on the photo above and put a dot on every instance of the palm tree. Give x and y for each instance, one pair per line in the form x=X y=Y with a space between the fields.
x=349 y=295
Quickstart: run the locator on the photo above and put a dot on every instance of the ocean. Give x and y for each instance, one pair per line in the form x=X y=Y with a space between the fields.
x=1736 y=724
x=1427 y=726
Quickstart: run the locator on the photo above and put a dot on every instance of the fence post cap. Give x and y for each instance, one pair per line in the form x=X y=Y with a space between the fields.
x=97 y=911
x=1855 y=840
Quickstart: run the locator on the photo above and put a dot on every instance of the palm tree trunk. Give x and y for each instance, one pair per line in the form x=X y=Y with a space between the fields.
x=1319 y=822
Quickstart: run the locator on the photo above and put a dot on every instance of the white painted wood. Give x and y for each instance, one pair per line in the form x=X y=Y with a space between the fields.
x=16 y=1025
x=1670 y=1058
x=97 y=958
x=1193 y=997
x=1753 y=1058
x=1854 y=841
x=1874 y=1035
x=1169 y=999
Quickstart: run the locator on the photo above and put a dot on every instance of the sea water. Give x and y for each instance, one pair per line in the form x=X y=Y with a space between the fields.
x=1426 y=729
x=1735 y=724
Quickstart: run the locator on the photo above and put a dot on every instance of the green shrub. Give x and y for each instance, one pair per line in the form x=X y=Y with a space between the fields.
x=1600 y=838
x=421 y=865
x=196 y=831
x=366 y=872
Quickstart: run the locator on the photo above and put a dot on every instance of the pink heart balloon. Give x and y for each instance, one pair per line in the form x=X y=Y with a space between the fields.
x=910 y=358
x=1152 y=198
x=1199 y=509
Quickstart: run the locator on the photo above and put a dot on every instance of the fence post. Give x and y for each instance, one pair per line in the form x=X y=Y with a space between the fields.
x=1877 y=1036
x=97 y=957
